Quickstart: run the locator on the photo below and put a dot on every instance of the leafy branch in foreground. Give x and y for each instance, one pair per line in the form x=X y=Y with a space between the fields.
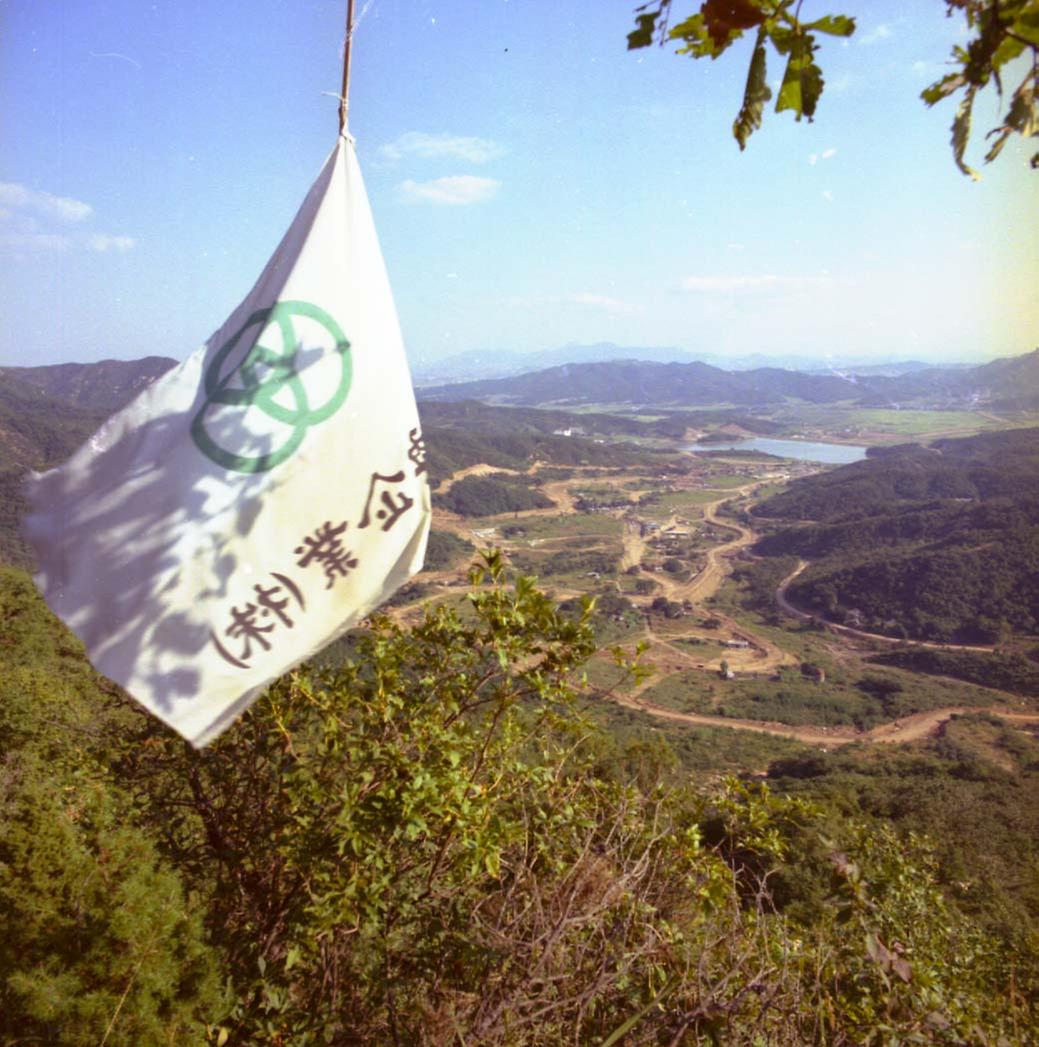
x=429 y=845
x=1000 y=31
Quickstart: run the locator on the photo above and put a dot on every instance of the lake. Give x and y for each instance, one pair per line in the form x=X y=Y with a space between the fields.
x=803 y=450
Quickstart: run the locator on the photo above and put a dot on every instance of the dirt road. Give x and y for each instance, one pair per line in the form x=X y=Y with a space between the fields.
x=898 y=732
x=788 y=608
x=763 y=655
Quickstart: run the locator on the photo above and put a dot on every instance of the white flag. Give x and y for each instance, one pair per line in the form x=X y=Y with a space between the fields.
x=258 y=500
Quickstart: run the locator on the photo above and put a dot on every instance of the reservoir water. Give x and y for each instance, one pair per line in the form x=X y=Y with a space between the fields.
x=803 y=450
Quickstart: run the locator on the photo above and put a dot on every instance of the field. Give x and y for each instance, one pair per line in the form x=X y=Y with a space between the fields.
x=883 y=425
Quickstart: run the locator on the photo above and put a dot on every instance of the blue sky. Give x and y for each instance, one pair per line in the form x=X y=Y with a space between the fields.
x=533 y=183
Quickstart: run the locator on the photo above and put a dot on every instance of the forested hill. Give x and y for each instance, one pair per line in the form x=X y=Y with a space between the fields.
x=1008 y=384
x=635 y=381
x=937 y=543
x=1004 y=385
x=105 y=386
x=46 y=413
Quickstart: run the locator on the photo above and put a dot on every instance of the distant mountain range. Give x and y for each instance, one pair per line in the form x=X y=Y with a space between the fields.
x=493 y=363
x=45 y=412
x=1007 y=384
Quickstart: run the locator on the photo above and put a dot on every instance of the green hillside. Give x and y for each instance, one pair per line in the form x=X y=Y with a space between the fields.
x=430 y=844
x=937 y=543
x=103 y=386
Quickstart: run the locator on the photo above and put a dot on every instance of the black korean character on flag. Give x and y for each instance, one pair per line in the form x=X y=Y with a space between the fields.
x=390 y=506
x=325 y=547
x=256 y=620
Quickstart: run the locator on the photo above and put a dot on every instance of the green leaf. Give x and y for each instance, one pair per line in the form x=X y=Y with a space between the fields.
x=1008 y=50
x=833 y=25
x=1021 y=118
x=961 y=133
x=943 y=88
x=802 y=80
x=782 y=38
x=755 y=94
x=698 y=41
x=642 y=35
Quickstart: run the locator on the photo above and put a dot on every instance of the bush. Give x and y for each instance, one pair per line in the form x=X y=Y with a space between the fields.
x=424 y=846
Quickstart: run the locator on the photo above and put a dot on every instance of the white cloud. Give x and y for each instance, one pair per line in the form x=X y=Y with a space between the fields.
x=826 y=154
x=441 y=146
x=36 y=221
x=104 y=242
x=882 y=32
x=453 y=189
x=602 y=301
x=61 y=208
x=828 y=196
x=751 y=284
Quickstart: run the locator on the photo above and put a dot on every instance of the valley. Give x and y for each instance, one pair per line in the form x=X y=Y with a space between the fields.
x=860 y=637
x=693 y=650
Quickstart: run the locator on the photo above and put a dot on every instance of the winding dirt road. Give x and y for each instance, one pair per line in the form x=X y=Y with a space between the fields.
x=788 y=608
x=763 y=654
x=897 y=732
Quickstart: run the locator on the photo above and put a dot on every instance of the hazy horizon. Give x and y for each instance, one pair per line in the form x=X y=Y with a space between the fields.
x=786 y=361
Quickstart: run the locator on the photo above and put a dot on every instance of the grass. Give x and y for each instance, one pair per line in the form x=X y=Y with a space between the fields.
x=917 y=423
x=687 y=692
x=768 y=490
x=603 y=673
x=567 y=525
x=848 y=423
x=725 y=483
x=677 y=502
x=839 y=700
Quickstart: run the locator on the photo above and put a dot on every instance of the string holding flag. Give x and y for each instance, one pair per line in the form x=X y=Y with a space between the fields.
x=261 y=498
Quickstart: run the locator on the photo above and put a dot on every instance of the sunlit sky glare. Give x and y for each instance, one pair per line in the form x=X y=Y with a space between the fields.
x=533 y=182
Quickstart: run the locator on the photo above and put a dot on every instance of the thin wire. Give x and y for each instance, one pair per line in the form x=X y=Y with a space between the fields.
x=364 y=10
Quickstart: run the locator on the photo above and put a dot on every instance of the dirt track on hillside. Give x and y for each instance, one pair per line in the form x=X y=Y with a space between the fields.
x=898 y=732
x=788 y=608
x=762 y=655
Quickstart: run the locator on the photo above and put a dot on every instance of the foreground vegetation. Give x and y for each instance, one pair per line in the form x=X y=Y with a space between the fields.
x=429 y=844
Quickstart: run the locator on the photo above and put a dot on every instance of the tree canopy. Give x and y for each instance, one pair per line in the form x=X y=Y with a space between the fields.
x=998 y=32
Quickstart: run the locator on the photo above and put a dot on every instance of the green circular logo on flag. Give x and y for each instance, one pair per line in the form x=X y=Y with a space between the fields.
x=270 y=379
